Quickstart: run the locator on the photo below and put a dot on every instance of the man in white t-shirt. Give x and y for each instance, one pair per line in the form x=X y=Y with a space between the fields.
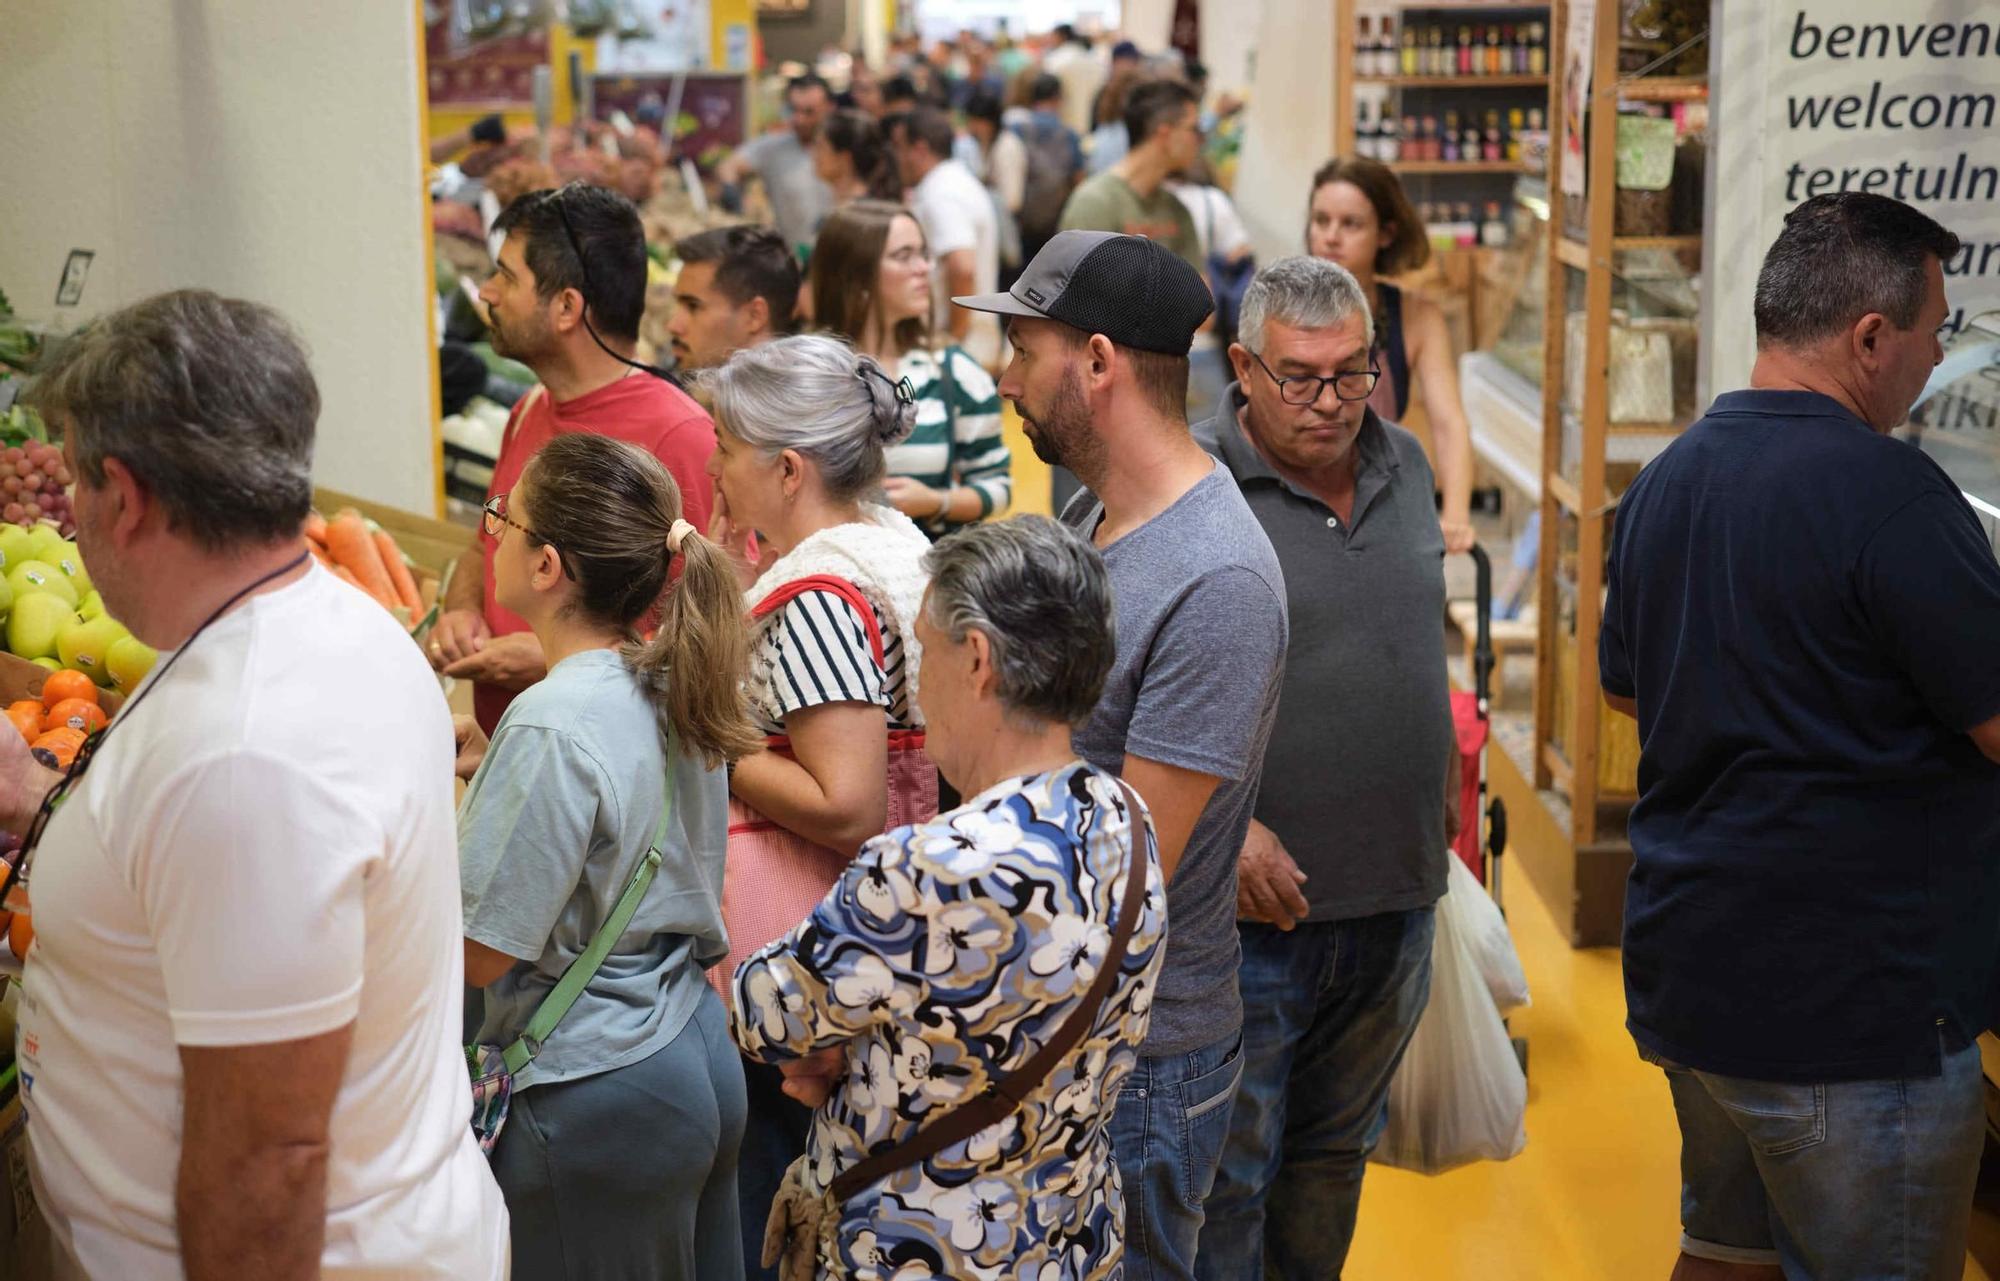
x=783 y=162
x=240 y=1020
x=960 y=226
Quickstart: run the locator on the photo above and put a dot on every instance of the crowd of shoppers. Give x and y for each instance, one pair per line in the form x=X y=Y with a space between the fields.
x=764 y=1005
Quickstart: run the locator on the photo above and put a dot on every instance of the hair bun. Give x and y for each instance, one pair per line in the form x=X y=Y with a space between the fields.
x=891 y=403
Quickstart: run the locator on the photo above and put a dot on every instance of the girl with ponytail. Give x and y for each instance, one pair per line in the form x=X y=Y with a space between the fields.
x=632 y=1109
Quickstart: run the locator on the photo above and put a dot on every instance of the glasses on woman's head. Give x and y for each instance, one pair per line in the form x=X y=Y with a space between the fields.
x=493 y=518
x=1303 y=389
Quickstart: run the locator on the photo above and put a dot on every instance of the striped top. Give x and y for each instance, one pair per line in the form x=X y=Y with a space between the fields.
x=816 y=651
x=977 y=456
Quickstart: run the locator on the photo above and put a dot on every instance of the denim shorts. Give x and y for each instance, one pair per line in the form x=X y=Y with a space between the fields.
x=1848 y=1179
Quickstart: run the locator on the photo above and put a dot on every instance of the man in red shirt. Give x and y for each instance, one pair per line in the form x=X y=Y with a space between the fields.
x=566 y=302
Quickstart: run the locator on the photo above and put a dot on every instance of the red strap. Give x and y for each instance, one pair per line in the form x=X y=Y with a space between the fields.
x=840 y=587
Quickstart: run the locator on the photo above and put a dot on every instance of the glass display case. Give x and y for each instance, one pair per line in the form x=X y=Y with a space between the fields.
x=1957 y=422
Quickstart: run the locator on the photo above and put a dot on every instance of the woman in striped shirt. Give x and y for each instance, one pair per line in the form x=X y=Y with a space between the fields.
x=801 y=426
x=871 y=283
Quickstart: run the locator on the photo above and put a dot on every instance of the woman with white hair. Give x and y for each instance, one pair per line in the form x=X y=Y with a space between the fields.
x=965 y=1005
x=801 y=426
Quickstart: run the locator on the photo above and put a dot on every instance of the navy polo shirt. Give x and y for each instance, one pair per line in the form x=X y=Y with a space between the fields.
x=1808 y=615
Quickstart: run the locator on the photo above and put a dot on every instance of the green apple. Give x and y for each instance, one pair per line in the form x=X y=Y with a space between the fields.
x=15 y=544
x=6 y=598
x=35 y=622
x=128 y=660
x=92 y=606
x=31 y=576
x=47 y=664
x=45 y=541
x=83 y=646
x=70 y=561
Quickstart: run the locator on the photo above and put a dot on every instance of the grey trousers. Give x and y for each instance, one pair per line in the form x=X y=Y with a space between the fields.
x=631 y=1174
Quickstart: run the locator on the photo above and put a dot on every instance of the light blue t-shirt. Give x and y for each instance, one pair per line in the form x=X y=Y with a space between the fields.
x=557 y=817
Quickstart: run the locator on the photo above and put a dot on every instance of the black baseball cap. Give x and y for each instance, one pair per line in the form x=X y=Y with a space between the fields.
x=1134 y=291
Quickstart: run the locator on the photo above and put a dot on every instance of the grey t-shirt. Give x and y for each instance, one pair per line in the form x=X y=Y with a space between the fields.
x=799 y=200
x=1200 y=607
x=557 y=817
x=1358 y=775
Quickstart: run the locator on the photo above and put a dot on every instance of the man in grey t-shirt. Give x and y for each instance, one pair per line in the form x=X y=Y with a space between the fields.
x=783 y=162
x=1099 y=326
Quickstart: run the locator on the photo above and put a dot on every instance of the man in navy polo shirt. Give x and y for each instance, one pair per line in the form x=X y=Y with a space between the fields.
x=1804 y=614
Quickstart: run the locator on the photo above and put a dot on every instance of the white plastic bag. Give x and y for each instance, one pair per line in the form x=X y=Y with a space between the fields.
x=1476 y=917
x=1459 y=1095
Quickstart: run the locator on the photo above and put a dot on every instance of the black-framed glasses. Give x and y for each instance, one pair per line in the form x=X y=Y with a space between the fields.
x=1303 y=389
x=493 y=517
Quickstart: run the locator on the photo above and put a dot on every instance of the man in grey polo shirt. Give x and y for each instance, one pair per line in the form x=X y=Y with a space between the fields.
x=1346 y=858
x=1099 y=327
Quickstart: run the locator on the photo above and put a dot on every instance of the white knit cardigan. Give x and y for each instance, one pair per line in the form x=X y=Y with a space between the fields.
x=882 y=554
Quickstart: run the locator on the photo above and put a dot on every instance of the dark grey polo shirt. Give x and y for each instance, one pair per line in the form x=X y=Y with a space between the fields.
x=1355 y=779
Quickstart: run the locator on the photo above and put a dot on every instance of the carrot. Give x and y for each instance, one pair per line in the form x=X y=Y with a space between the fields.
x=315 y=527
x=347 y=541
x=399 y=573
x=319 y=553
x=346 y=575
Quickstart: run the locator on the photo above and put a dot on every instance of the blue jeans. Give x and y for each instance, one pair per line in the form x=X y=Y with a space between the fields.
x=1836 y=1182
x=1328 y=1008
x=1166 y=1135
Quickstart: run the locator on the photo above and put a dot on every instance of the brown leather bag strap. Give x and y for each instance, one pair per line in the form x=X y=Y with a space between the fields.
x=1000 y=1098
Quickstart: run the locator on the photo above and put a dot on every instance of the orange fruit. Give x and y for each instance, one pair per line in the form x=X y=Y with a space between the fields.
x=76 y=713
x=21 y=934
x=26 y=716
x=61 y=744
x=64 y=685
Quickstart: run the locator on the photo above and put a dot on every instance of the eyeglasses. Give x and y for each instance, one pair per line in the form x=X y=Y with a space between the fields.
x=1349 y=385
x=906 y=256
x=494 y=515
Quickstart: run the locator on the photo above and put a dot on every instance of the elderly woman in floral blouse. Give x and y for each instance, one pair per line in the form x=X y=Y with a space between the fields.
x=951 y=951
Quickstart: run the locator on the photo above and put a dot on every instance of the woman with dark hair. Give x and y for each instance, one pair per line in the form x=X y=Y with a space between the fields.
x=1360 y=217
x=871 y=279
x=619 y=1153
x=852 y=157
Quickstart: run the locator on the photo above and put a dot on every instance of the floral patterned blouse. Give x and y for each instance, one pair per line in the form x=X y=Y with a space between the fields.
x=945 y=956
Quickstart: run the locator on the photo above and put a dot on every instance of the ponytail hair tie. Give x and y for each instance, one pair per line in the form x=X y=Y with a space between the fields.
x=677 y=534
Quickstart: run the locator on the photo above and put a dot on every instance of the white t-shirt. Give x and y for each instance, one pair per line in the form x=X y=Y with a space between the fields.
x=956 y=212
x=263 y=850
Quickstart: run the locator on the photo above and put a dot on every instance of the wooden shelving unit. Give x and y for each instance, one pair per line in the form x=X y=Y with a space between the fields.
x=1457 y=166
x=1585 y=875
x=1455 y=82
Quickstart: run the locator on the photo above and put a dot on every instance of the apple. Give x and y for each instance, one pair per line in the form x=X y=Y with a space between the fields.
x=6 y=597
x=36 y=620
x=70 y=561
x=92 y=606
x=14 y=545
x=83 y=646
x=31 y=576
x=45 y=541
x=128 y=660
x=47 y=664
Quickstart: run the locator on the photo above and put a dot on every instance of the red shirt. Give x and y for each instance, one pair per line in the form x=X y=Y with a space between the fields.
x=640 y=410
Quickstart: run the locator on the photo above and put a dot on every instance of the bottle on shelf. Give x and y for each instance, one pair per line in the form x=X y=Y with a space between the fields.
x=1388 y=148
x=1364 y=129
x=1449 y=150
x=1494 y=53
x=1491 y=147
x=1408 y=145
x=1538 y=49
x=1464 y=50
x=1493 y=231
x=1385 y=46
x=1465 y=228
x=1469 y=146
x=1516 y=121
x=1364 y=45
x=1410 y=50
x=1442 y=59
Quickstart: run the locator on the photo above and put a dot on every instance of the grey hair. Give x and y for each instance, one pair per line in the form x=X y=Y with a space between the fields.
x=208 y=401
x=815 y=394
x=1042 y=597
x=1305 y=293
x=1842 y=256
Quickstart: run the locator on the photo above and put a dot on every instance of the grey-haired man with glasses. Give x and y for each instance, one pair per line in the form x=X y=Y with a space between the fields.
x=1344 y=860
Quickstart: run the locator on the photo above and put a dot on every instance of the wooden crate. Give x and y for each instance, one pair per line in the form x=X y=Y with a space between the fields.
x=430 y=543
x=21 y=679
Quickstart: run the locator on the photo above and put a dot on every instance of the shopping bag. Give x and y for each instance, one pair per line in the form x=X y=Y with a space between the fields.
x=1477 y=919
x=1459 y=1095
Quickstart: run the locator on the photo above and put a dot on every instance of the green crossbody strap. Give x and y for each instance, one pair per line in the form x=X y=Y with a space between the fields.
x=584 y=968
